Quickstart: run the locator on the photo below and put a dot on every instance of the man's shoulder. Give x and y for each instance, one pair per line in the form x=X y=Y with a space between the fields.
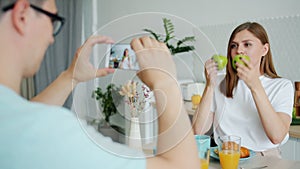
x=14 y=103
x=50 y=110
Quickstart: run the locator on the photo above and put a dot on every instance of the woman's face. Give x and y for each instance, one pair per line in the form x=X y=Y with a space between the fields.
x=126 y=52
x=246 y=43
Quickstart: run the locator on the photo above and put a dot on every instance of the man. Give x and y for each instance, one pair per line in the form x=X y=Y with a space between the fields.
x=35 y=135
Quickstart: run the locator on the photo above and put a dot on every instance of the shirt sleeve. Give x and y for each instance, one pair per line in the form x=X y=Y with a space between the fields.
x=283 y=100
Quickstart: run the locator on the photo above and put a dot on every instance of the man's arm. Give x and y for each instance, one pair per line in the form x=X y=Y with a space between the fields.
x=176 y=147
x=80 y=70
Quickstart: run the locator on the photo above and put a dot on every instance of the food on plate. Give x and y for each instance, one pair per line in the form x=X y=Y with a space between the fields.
x=238 y=59
x=244 y=152
x=228 y=146
x=220 y=60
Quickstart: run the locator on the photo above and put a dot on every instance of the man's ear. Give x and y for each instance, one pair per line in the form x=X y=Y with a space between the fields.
x=19 y=15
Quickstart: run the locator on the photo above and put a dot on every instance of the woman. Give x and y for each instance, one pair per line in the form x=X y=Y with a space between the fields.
x=125 y=63
x=252 y=101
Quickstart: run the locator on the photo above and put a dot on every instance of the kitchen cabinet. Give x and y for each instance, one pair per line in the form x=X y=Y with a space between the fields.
x=291 y=149
x=297 y=157
x=288 y=150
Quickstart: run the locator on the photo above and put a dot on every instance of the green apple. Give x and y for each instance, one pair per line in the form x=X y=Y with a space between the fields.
x=220 y=60
x=238 y=59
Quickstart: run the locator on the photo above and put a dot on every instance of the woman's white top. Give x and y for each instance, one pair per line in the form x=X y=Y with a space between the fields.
x=239 y=115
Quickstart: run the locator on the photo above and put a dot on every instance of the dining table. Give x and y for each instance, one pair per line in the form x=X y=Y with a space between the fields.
x=260 y=162
x=253 y=162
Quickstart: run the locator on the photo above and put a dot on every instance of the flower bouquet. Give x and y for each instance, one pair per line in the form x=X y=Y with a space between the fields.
x=137 y=97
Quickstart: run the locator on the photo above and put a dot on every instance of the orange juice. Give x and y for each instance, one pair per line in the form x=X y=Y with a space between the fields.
x=204 y=163
x=196 y=98
x=229 y=159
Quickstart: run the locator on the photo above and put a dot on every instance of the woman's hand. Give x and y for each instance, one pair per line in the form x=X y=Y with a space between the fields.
x=211 y=70
x=248 y=73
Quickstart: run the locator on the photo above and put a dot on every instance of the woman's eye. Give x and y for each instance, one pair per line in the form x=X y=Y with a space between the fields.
x=232 y=46
x=248 y=44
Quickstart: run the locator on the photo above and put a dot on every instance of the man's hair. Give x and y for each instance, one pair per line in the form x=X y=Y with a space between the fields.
x=4 y=3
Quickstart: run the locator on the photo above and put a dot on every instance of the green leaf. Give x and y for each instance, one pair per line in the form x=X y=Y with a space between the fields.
x=186 y=39
x=183 y=49
x=169 y=33
x=169 y=29
x=108 y=100
x=157 y=37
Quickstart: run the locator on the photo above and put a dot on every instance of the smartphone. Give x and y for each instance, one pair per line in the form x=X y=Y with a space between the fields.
x=121 y=56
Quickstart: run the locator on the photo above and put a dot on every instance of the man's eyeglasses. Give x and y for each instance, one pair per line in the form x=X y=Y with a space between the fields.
x=57 y=21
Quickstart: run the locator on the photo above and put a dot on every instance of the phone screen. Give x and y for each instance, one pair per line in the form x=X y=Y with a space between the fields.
x=121 y=56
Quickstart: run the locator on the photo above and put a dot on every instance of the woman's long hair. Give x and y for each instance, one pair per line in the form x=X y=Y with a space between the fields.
x=266 y=65
x=125 y=54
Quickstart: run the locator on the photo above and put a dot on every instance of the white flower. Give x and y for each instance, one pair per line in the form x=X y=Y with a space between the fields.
x=135 y=100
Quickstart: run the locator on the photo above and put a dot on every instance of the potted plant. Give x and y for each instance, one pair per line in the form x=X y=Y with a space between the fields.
x=169 y=37
x=108 y=100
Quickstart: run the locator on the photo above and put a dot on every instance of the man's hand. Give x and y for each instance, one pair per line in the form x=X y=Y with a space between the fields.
x=81 y=68
x=157 y=67
x=175 y=141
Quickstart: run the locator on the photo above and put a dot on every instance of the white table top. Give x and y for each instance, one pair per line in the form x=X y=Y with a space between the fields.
x=259 y=161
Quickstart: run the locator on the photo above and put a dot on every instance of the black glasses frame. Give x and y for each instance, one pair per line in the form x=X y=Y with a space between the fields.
x=53 y=17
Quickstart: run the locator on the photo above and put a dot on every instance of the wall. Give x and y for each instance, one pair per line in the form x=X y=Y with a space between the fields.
x=201 y=12
x=217 y=18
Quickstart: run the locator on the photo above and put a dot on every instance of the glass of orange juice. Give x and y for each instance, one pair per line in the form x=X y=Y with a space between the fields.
x=196 y=98
x=203 y=145
x=229 y=151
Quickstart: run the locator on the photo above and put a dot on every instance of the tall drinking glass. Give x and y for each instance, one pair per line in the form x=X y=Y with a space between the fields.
x=196 y=98
x=203 y=145
x=229 y=151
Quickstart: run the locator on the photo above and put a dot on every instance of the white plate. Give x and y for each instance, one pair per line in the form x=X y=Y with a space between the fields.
x=216 y=156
